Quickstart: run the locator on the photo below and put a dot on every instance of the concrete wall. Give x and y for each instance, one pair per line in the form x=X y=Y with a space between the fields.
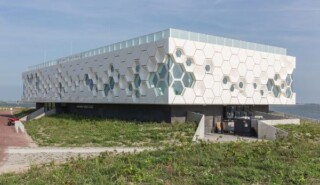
x=266 y=129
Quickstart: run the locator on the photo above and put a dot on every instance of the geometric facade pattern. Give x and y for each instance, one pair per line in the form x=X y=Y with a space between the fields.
x=169 y=70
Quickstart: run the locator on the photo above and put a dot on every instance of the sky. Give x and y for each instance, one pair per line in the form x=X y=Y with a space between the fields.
x=37 y=30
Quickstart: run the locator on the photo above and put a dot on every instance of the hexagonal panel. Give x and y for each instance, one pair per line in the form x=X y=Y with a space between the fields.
x=199 y=57
x=199 y=72
x=256 y=71
x=277 y=67
x=250 y=63
x=160 y=54
x=199 y=88
x=189 y=96
x=189 y=48
x=256 y=57
x=129 y=75
x=188 y=80
x=270 y=72
x=226 y=53
x=208 y=51
x=242 y=55
x=242 y=69
x=234 y=76
x=217 y=60
x=249 y=77
x=234 y=61
x=226 y=96
x=264 y=65
x=208 y=96
x=226 y=68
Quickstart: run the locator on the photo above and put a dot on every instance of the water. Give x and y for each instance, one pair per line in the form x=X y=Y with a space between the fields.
x=14 y=104
x=305 y=110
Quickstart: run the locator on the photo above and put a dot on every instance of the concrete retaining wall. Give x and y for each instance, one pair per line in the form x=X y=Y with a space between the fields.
x=200 y=120
x=266 y=129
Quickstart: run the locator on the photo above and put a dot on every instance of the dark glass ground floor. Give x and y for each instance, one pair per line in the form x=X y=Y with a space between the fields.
x=157 y=113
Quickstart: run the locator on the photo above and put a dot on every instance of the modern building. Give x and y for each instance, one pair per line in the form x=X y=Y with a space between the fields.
x=162 y=76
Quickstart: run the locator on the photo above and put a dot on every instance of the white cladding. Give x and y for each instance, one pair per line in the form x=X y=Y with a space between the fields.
x=167 y=71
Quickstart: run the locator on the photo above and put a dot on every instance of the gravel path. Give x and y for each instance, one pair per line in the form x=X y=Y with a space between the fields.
x=21 y=159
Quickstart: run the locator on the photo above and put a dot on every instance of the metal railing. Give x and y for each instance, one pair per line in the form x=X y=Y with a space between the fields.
x=174 y=33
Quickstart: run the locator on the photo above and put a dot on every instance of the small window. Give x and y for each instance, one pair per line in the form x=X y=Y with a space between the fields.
x=178 y=53
x=188 y=62
x=208 y=68
x=232 y=88
x=241 y=85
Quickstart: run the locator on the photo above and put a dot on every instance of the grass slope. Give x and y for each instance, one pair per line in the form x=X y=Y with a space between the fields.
x=294 y=160
x=65 y=130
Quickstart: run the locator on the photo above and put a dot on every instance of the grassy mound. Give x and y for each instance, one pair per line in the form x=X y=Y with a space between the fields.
x=294 y=160
x=66 y=130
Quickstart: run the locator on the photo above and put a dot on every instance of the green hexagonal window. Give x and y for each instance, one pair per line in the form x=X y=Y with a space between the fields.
x=162 y=71
x=189 y=62
x=137 y=68
x=178 y=53
x=207 y=68
x=282 y=86
x=170 y=79
x=169 y=62
x=188 y=80
x=276 y=91
x=137 y=94
x=270 y=84
x=111 y=68
x=232 y=88
x=137 y=81
x=161 y=87
x=276 y=77
x=288 y=79
x=288 y=92
x=177 y=87
x=225 y=80
x=255 y=85
x=130 y=88
x=153 y=80
x=241 y=85
x=111 y=82
x=177 y=71
x=106 y=89
x=261 y=92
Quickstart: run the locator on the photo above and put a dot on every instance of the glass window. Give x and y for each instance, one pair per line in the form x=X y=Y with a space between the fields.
x=261 y=92
x=225 y=80
x=208 y=68
x=162 y=86
x=177 y=71
x=188 y=62
x=255 y=85
x=178 y=53
x=288 y=92
x=232 y=88
x=269 y=84
x=162 y=71
x=153 y=80
x=276 y=91
x=177 y=87
x=137 y=81
x=188 y=80
x=111 y=82
x=241 y=85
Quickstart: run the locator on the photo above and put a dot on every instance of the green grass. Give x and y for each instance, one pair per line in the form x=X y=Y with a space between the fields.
x=66 y=130
x=294 y=160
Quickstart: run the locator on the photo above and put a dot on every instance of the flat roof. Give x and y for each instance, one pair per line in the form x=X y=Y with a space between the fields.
x=174 y=33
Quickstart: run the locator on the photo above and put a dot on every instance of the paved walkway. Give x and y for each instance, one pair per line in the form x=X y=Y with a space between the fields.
x=10 y=138
x=21 y=159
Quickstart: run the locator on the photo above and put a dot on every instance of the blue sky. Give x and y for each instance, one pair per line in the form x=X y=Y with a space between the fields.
x=35 y=30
